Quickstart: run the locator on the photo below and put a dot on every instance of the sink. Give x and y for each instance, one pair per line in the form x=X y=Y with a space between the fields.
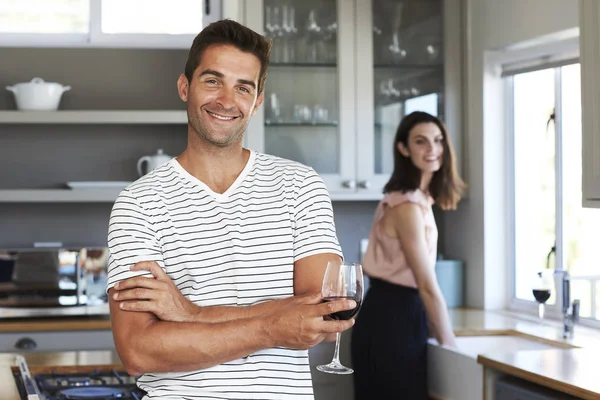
x=475 y=345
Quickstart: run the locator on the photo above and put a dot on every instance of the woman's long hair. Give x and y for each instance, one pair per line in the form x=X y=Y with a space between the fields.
x=446 y=186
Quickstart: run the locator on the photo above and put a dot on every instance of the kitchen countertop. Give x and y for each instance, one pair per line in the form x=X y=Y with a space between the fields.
x=8 y=389
x=569 y=369
x=573 y=371
x=55 y=324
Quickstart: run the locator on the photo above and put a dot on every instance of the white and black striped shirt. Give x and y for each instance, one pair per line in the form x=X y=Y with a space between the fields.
x=235 y=248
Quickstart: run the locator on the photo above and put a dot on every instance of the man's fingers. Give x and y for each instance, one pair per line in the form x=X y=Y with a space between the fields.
x=310 y=298
x=138 y=281
x=150 y=266
x=337 y=326
x=135 y=294
x=137 y=306
x=331 y=307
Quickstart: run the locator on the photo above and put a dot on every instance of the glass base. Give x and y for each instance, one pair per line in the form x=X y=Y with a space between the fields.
x=335 y=368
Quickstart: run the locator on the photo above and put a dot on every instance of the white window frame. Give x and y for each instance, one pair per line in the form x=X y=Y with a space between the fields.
x=566 y=49
x=95 y=37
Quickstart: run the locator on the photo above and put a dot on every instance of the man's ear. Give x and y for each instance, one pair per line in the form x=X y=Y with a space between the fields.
x=259 y=101
x=402 y=149
x=183 y=87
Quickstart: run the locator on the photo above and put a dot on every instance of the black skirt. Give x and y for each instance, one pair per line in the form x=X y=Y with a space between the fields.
x=389 y=344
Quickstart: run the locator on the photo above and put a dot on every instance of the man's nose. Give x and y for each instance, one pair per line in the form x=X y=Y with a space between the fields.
x=225 y=98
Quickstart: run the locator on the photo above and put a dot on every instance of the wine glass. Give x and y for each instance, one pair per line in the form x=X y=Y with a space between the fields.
x=542 y=287
x=341 y=282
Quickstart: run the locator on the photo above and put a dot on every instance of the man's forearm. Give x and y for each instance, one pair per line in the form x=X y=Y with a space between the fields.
x=179 y=346
x=219 y=314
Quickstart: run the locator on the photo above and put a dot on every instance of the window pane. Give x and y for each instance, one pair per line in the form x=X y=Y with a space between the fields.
x=154 y=16
x=44 y=16
x=581 y=225
x=534 y=169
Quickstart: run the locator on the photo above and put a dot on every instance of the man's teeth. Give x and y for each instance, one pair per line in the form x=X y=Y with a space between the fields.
x=221 y=117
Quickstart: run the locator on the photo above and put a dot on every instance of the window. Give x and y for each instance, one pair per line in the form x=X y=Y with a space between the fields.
x=105 y=23
x=551 y=228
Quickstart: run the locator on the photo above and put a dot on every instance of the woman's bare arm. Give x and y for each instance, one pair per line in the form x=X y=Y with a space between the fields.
x=409 y=226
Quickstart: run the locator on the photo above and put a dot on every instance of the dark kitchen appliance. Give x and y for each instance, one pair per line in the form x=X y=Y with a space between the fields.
x=45 y=282
x=98 y=382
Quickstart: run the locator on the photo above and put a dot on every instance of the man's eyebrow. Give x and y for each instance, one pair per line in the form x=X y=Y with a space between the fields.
x=212 y=72
x=247 y=82
x=221 y=75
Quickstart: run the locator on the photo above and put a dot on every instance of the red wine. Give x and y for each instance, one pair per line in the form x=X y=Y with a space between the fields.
x=346 y=314
x=541 y=295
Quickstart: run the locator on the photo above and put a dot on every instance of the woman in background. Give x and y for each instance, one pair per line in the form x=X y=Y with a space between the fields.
x=389 y=339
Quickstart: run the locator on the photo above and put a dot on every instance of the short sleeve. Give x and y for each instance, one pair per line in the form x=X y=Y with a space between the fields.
x=314 y=228
x=131 y=238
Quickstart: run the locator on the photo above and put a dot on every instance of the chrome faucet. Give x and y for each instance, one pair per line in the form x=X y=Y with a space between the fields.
x=570 y=311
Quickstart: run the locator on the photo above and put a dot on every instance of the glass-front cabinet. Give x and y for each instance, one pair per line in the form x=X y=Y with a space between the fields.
x=343 y=73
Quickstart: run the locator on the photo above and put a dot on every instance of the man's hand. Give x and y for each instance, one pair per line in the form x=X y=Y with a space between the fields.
x=301 y=324
x=157 y=295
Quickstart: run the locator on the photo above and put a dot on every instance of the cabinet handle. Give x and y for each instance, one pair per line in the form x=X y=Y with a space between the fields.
x=364 y=184
x=26 y=344
x=349 y=184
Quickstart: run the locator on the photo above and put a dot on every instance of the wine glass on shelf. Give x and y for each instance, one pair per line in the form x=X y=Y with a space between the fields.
x=341 y=282
x=314 y=35
x=542 y=288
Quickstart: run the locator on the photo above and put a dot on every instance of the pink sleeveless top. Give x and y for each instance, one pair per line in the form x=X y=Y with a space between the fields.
x=385 y=258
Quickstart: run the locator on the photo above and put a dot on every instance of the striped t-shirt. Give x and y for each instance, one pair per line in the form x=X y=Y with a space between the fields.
x=234 y=248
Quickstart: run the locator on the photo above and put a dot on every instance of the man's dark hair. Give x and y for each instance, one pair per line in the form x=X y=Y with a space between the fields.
x=235 y=34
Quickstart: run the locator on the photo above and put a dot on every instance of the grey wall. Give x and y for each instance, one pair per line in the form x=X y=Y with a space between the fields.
x=100 y=78
x=81 y=225
x=477 y=231
x=353 y=222
x=48 y=156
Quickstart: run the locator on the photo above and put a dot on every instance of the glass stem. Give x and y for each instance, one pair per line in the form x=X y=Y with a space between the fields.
x=541 y=310
x=336 y=353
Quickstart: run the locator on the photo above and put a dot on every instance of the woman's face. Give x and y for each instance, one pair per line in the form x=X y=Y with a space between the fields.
x=425 y=147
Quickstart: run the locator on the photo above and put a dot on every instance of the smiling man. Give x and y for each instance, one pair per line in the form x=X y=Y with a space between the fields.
x=217 y=257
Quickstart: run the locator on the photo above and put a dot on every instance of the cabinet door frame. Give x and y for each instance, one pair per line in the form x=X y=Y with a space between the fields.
x=343 y=182
x=453 y=89
x=589 y=50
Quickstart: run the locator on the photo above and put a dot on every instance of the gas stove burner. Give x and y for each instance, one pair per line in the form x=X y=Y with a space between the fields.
x=102 y=383
x=91 y=393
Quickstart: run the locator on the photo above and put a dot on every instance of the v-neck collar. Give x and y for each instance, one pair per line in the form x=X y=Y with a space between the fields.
x=220 y=197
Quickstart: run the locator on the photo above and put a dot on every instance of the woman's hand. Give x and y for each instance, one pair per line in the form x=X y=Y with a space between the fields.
x=157 y=295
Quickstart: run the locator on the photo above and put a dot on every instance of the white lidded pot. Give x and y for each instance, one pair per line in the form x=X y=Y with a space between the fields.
x=152 y=162
x=38 y=94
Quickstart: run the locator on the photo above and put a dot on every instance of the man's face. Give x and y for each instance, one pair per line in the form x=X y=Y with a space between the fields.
x=222 y=95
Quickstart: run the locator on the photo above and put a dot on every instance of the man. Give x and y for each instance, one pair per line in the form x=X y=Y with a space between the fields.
x=217 y=257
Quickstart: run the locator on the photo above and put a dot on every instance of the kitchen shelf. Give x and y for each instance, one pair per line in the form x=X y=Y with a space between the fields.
x=110 y=195
x=58 y=195
x=426 y=66
x=94 y=117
